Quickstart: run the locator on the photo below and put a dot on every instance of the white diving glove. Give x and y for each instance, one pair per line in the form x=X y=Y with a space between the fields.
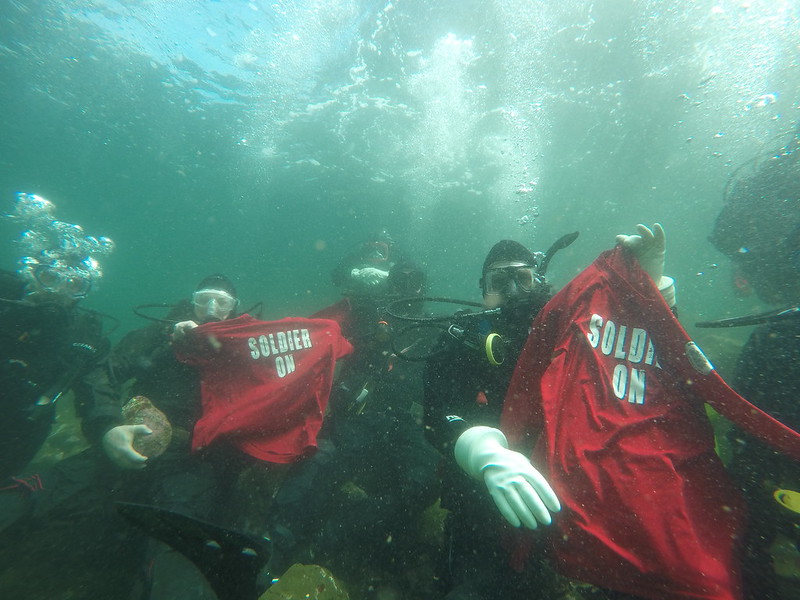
x=180 y=330
x=649 y=246
x=118 y=444
x=520 y=492
x=369 y=276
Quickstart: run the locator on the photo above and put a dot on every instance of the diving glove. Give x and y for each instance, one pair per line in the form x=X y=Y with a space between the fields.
x=520 y=492
x=369 y=276
x=649 y=246
x=181 y=329
x=118 y=444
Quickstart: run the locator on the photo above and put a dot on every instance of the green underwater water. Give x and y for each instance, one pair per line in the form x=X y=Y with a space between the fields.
x=265 y=140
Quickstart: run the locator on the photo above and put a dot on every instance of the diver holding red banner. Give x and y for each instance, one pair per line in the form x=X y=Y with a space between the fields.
x=607 y=402
x=264 y=384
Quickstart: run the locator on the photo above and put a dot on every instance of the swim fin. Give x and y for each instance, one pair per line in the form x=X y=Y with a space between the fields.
x=230 y=560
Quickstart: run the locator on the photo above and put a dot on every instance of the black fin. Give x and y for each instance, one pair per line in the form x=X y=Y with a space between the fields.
x=230 y=560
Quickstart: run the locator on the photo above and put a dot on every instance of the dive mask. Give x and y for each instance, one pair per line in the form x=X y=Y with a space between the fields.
x=216 y=304
x=376 y=252
x=60 y=281
x=499 y=280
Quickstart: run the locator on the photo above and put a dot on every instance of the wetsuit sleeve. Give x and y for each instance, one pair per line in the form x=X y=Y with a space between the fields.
x=341 y=273
x=98 y=404
x=443 y=379
x=751 y=368
x=341 y=312
x=765 y=371
x=97 y=400
x=99 y=393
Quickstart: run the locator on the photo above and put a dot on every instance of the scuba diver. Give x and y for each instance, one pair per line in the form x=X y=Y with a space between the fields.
x=607 y=398
x=146 y=356
x=351 y=505
x=365 y=271
x=465 y=381
x=247 y=400
x=49 y=344
x=759 y=230
x=177 y=481
x=85 y=485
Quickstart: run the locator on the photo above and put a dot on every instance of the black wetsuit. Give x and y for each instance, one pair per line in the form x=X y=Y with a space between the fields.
x=378 y=472
x=381 y=447
x=88 y=484
x=47 y=349
x=768 y=375
x=463 y=389
x=144 y=360
x=195 y=484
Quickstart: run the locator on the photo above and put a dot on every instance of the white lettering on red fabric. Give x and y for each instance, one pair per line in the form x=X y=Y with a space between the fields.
x=595 y=323
x=627 y=381
x=284 y=365
x=280 y=346
x=283 y=345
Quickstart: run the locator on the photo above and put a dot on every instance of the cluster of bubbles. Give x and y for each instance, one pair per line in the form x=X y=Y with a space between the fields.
x=59 y=256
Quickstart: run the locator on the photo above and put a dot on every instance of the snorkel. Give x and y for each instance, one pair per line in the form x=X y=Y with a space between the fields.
x=465 y=325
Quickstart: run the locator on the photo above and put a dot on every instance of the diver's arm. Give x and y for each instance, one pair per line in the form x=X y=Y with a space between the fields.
x=98 y=404
x=100 y=393
x=521 y=493
x=442 y=387
x=97 y=400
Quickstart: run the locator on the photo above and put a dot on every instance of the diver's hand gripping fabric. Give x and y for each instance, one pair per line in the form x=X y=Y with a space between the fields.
x=118 y=444
x=182 y=328
x=520 y=492
x=649 y=246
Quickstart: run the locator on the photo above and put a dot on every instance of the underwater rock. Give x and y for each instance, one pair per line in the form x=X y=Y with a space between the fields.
x=140 y=411
x=431 y=525
x=306 y=581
